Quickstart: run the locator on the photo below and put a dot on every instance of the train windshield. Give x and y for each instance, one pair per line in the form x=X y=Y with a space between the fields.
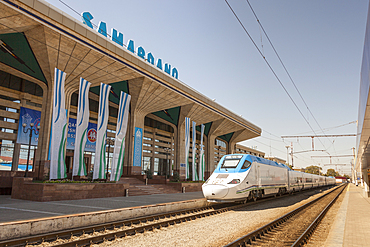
x=231 y=161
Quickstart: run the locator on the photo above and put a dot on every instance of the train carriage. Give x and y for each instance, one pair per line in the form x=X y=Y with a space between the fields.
x=295 y=181
x=244 y=176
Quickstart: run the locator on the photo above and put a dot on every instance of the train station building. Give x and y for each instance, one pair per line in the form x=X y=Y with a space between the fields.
x=362 y=161
x=36 y=37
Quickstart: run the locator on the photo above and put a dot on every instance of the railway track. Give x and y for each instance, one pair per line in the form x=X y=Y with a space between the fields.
x=100 y=233
x=107 y=232
x=295 y=227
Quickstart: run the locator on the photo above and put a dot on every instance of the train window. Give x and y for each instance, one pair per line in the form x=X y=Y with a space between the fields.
x=231 y=161
x=246 y=164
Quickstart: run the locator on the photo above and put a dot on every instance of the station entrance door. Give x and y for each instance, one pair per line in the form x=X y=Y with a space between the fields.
x=69 y=163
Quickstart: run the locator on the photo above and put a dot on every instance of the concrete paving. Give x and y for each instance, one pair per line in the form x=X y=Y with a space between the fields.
x=21 y=210
x=352 y=224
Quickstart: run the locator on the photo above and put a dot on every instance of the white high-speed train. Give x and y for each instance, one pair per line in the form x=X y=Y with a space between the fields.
x=243 y=176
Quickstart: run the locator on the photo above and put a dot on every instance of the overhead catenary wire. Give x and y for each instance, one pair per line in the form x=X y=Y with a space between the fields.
x=300 y=157
x=296 y=156
x=272 y=70
x=96 y=26
x=286 y=70
x=331 y=128
x=261 y=27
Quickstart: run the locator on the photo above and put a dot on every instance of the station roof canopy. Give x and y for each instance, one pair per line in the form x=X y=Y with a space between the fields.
x=41 y=37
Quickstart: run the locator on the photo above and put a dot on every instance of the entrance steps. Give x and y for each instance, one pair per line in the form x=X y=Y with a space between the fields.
x=138 y=187
x=130 y=180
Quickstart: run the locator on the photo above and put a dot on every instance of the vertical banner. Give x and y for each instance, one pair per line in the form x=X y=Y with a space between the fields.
x=83 y=114
x=119 y=143
x=201 y=156
x=59 y=128
x=194 y=154
x=100 y=160
x=187 y=145
x=138 y=146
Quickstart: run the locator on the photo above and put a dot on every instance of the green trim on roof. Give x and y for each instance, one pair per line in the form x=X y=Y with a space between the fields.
x=117 y=87
x=24 y=59
x=207 y=127
x=226 y=137
x=170 y=115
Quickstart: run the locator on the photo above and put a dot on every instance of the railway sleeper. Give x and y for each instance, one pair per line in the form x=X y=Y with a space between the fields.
x=259 y=241
x=267 y=238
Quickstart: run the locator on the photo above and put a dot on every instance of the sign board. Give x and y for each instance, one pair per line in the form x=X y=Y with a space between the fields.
x=117 y=37
x=71 y=136
x=28 y=116
x=138 y=145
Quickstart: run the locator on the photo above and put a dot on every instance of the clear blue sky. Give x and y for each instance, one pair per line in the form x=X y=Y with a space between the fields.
x=320 y=43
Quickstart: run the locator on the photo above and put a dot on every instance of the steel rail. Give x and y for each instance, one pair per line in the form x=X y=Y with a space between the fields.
x=129 y=232
x=141 y=229
x=67 y=234
x=94 y=228
x=308 y=233
x=257 y=234
x=133 y=231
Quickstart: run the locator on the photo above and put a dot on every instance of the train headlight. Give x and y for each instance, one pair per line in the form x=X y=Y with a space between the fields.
x=234 y=181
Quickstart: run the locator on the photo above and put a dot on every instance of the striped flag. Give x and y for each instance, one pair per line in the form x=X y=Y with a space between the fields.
x=119 y=143
x=194 y=153
x=82 y=123
x=201 y=156
x=187 y=145
x=59 y=128
x=100 y=159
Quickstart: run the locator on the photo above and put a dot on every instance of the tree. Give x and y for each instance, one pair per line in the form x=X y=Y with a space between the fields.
x=313 y=169
x=347 y=176
x=290 y=166
x=332 y=173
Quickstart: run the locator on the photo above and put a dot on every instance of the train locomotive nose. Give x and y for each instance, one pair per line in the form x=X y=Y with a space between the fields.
x=214 y=191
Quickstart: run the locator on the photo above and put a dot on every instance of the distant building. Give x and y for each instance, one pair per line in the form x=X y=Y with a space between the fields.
x=240 y=149
x=341 y=180
x=276 y=159
x=299 y=169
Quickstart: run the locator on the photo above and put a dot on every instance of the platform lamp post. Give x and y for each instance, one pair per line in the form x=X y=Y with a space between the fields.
x=25 y=130
x=167 y=150
x=109 y=142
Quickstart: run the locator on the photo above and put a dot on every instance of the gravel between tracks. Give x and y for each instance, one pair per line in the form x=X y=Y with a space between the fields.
x=321 y=233
x=217 y=230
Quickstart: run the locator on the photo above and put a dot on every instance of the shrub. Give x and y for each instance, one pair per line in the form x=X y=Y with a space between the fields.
x=176 y=177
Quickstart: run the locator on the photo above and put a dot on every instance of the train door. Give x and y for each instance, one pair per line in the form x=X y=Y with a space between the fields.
x=252 y=175
x=258 y=179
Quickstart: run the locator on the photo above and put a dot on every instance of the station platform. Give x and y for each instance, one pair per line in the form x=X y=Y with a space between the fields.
x=352 y=224
x=21 y=210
